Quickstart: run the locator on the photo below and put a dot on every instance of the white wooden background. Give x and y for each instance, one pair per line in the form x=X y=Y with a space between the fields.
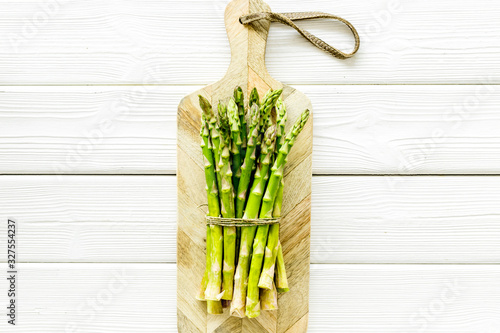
x=406 y=193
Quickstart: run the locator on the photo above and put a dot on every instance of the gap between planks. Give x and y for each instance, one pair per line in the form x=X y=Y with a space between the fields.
x=314 y=175
x=206 y=83
x=312 y=264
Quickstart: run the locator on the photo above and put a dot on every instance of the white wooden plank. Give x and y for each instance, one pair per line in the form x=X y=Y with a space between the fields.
x=405 y=220
x=405 y=129
x=358 y=129
x=123 y=298
x=184 y=42
x=404 y=298
x=92 y=219
x=354 y=219
x=94 y=298
x=89 y=130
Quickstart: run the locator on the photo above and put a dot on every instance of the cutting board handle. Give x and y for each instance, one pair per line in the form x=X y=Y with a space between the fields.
x=248 y=43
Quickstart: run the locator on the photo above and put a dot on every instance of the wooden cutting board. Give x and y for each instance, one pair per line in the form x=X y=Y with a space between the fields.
x=248 y=70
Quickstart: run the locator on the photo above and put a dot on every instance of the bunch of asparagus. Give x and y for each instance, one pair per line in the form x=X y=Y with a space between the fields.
x=245 y=151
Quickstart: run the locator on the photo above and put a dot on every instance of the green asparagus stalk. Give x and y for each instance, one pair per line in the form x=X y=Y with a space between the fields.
x=208 y=154
x=271 y=251
x=267 y=275
x=247 y=167
x=240 y=102
x=213 y=307
x=282 y=117
x=214 y=131
x=236 y=128
x=269 y=298
x=227 y=200
x=253 y=99
x=243 y=132
x=281 y=279
x=253 y=304
x=259 y=244
x=214 y=235
x=248 y=233
x=248 y=163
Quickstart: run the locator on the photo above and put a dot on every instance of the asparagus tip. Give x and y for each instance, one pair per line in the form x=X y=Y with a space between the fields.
x=205 y=105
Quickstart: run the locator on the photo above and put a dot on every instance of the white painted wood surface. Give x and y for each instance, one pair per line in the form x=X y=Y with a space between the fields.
x=429 y=219
x=344 y=298
x=358 y=129
x=91 y=87
x=151 y=41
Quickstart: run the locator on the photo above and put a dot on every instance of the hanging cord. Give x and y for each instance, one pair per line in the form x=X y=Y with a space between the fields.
x=288 y=18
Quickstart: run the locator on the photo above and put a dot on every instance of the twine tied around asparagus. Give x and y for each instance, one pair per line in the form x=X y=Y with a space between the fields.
x=288 y=18
x=236 y=222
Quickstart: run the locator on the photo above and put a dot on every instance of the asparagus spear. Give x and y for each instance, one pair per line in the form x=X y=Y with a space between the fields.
x=247 y=167
x=253 y=304
x=259 y=243
x=281 y=279
x=214 y=131
x=248 y=163
x=208 y=154
x=236 y=143
x=239 y=99
x=271 y=252
x=248 y=233
x=239 y=121
x=282 y=117
x=211 y=282
x=267 y=275
x=227 y=200
x=213 y=307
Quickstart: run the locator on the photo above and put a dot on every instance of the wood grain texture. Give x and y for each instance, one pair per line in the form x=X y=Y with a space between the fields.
x=406 y=129
x=183 y=42
x=131 y=298
x=247 y=70
x=358 y=129
x=405 y=298
x=354 y=219
x=406 y=219
x=74 y=130
x=87 y=298
x=74 y=218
